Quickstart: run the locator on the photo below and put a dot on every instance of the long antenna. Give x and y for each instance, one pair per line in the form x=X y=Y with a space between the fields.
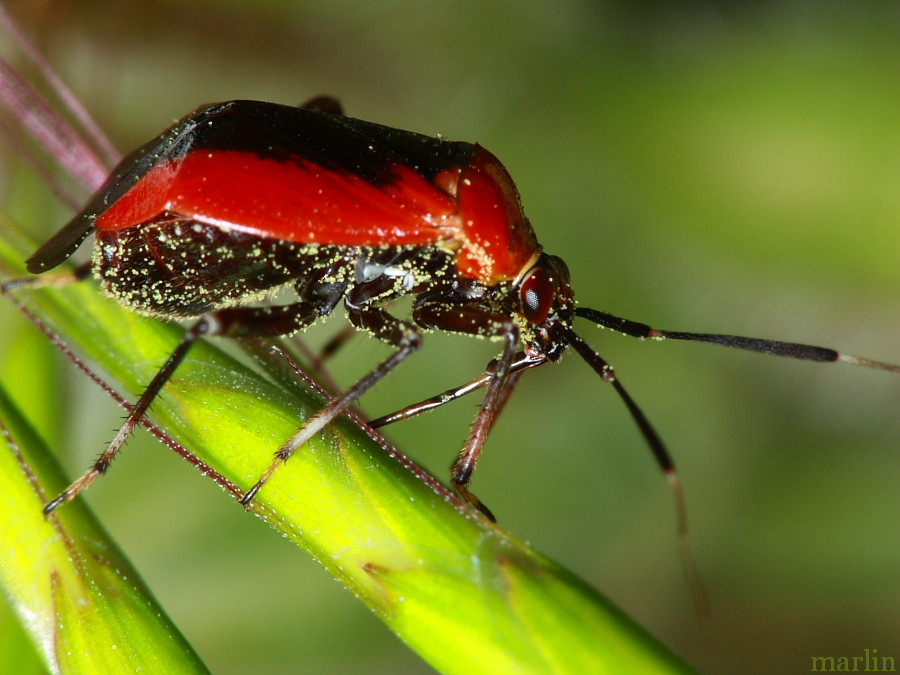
x=663 y=458
x=793 y=350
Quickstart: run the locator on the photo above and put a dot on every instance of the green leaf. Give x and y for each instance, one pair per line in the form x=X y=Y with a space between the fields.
x=84 y=607
x=465 y=594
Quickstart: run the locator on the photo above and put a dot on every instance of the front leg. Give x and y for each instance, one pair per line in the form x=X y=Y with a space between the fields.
x=476 y=320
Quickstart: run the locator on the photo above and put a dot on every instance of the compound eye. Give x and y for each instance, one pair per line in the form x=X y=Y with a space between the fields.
x=536 y=294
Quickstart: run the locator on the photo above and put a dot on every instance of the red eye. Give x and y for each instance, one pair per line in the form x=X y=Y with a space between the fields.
x=537 y=294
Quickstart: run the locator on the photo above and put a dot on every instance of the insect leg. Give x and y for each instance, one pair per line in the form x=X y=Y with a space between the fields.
x=475 y=320
x=521 y=363
x=317 y=360
x=400 y=334
x=233 y=322
x=324 y=103
x=498 y=392
x=334 y=344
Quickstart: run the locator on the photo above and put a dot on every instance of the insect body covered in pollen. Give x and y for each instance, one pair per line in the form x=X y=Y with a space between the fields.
x=242 y=198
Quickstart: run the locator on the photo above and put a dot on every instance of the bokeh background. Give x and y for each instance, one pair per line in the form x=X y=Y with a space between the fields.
x=711 y=166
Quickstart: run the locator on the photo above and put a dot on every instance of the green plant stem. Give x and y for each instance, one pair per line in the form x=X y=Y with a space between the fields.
x=458 y=589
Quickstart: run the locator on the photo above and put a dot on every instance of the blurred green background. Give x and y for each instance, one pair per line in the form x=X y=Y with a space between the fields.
x=705 y=166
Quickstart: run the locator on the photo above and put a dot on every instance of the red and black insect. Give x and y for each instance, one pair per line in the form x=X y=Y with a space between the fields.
x=239 y=199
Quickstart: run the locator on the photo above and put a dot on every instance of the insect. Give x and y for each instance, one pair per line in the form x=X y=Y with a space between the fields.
x=242 y=198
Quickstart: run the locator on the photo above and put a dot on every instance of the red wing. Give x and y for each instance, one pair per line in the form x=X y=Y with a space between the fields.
x=294 y=201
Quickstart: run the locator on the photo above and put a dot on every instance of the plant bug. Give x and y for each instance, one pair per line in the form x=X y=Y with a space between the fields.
x=239 y=199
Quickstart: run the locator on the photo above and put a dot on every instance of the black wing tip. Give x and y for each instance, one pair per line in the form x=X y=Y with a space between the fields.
x=61 y=246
